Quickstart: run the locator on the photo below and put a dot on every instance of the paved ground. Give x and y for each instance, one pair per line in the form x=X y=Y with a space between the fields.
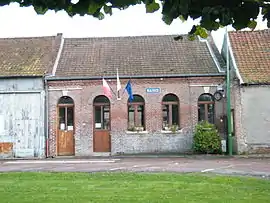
x=232 y=166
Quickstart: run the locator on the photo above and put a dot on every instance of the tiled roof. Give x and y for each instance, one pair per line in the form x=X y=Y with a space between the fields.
x=28 y=56
x=251 y=50
x=134 y=56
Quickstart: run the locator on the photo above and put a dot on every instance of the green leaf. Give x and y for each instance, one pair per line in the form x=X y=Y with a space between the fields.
x=201 y=32
x=252 y=24
x=40 y=10
x=182 y=18
x=93 y=8
x=191 y=37
x=167 y=19
x=99 y=15
x=152 y=7
x=107 y=9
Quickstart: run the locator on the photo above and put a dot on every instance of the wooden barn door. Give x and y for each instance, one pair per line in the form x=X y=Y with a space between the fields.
x=102 y=138
x=65 y=137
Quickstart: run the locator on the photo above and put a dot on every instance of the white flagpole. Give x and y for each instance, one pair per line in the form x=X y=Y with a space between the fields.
x=118 y=85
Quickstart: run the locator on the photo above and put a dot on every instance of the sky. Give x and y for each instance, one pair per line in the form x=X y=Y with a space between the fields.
x=24 y=22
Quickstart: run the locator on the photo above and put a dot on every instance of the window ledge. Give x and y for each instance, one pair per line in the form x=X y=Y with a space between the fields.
x=170 y=132
x=136 y=132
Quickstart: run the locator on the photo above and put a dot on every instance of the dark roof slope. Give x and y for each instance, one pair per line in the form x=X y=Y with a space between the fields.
x=134 y=56
x=251 y=50
x=32 y=56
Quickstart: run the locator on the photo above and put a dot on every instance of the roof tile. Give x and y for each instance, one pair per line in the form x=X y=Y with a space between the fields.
x=251 y=50
x=133 y=56
x=33 y=56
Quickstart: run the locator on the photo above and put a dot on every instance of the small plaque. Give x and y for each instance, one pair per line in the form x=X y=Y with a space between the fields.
x=62 y=126
x=70 y=127
x=98 y=125
x=151 y=90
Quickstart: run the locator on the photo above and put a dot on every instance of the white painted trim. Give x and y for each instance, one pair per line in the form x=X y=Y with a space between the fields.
x=212 y=54
x=214 y=58
x=66 y=89
x=58 y=56
x=136 y=132
x=171 y=132
x=206 y=85
x=233 y=60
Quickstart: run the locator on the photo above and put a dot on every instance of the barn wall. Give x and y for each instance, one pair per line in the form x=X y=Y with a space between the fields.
x=22 y=118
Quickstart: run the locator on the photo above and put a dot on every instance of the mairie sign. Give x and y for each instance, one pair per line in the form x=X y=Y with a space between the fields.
x=153 y=90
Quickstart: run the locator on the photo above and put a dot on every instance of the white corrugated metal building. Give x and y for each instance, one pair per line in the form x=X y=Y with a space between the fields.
x=23 y=64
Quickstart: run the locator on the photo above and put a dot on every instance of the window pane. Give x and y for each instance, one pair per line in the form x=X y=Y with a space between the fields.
x=206 y=97
x=62 y=118
x=140 y=116
x=98 y=124
x=65 y=100
x=137 y=98
x=70 y=117
x=211 y=111
x=106 y=118
x=165 y=115
x=101 y=99
x=201 y=112
x=170 y=98
x=131 y=122
x=175 y=115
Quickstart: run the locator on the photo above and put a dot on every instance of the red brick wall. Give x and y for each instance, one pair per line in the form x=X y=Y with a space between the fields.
x=87 y=90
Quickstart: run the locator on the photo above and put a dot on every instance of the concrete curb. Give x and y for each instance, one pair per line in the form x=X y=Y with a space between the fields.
x=157 y=156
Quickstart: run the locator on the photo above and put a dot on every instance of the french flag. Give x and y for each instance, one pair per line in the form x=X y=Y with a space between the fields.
x=106 y=88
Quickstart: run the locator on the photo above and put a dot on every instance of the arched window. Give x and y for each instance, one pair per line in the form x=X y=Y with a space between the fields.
x=102 y=112
x=170 y=111
x=136 y=113
x=66 y=100
x=66 y=113
x=206 y=108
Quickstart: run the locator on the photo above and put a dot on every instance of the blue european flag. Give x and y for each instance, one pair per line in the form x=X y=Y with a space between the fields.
x=129 y=91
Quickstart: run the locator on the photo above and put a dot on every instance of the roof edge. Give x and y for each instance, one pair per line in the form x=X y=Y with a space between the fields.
x=233 y=58
x=213 y=56
x=128 y=36
x=29 y=37
x=21 y=76
x=50 y=78
x=58 y=56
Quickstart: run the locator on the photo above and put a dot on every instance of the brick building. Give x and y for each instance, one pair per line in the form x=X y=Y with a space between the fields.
x=173 y=84
x=250 y=62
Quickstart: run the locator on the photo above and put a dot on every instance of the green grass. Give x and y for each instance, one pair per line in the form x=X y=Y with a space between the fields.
x=130 y=187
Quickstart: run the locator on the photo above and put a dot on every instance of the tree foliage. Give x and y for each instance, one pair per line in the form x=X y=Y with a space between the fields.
x=213 y=13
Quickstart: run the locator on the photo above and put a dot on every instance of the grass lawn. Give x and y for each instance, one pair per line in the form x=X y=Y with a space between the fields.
x=130 y=187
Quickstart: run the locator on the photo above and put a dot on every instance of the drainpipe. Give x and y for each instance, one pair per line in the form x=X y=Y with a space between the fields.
x=228 y=86
x=60 y=39
x=46 y=117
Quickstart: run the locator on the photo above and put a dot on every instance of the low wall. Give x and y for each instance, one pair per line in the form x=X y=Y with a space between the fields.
x=259 y=148
x=143 y=142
